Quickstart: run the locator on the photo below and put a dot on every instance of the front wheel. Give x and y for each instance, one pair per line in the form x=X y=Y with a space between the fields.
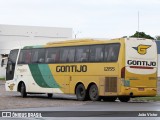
x=23 y=90
x=81 y=92
x=124 y=99
x=93 y=93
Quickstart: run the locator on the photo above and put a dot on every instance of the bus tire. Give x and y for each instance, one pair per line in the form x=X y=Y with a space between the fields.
x=50 y=95
x=23 y=90
x=81 y=92
x=93 y=93
x=124 y=99
x=109 y=99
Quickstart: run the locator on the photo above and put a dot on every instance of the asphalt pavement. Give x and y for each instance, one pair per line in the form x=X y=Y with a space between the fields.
x=99 y=110
x=94 y=111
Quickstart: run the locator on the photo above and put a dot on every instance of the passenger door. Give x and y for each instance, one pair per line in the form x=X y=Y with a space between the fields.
x=11 y=64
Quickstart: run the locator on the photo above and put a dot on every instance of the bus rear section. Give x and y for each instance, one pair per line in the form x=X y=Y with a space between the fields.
x=139 y=76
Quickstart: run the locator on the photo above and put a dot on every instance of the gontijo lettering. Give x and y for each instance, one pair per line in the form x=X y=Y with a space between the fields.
x=71 y=68
x=141 y=63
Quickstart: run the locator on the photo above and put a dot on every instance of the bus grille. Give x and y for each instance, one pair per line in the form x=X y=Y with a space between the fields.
x=111 y=84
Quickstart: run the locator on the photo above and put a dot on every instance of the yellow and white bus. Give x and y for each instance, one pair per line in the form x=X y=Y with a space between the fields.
x=91 y=69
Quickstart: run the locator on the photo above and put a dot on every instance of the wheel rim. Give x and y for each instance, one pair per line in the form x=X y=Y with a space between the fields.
x=81 y=92
x=93 y=93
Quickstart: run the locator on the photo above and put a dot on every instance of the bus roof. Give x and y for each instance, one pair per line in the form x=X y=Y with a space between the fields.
x=81 y=42
x=75 y=42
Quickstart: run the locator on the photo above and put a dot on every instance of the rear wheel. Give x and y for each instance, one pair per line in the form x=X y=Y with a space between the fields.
x=109 y=99
x=81 y=92
x=23 y=90
x=93 y=93
x=124 y=99
x=49 y=95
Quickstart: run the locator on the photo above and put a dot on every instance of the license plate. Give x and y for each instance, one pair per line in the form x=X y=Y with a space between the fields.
x=141 y=89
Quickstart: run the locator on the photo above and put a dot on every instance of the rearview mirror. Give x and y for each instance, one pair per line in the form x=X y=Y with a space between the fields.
x=2 y=63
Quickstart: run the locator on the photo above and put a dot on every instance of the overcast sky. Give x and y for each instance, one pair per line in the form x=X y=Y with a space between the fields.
x=88 y=18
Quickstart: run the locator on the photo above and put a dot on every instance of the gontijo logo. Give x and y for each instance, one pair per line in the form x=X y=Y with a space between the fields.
x=142 y=49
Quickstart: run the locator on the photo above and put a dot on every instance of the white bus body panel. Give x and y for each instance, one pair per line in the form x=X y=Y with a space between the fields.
x=139 y=56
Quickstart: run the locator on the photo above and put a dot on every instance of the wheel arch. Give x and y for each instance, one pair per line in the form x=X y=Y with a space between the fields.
x=19 y=86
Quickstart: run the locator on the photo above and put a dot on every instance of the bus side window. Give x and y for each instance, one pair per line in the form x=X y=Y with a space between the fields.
x=24 y=57
x=112 y=52
x=50 y=59
x=83 y=57
x=38 y=55
x=41 y=60
x=63 y=54
x=96 y=53
x=71 y=55
x=82 y=54
x=52 y=55
x=67 y=54
x=34 y=56
x=57 y=56
x=28 y=56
